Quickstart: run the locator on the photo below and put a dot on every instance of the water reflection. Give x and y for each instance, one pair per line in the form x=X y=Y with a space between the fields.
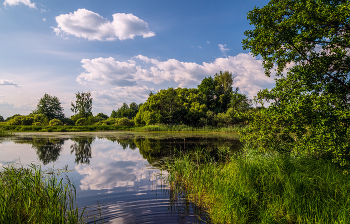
x=47 y=149
x=122 y=173
x=82 y=149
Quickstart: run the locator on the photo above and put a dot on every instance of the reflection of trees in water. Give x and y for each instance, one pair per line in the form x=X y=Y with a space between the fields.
x=124 y=142
x=82 y=149
x=156 y=149
x=47 y=149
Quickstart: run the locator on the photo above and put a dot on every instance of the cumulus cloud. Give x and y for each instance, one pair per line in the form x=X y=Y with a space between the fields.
x=92 y=26
x=17 y=2
x=126 y=75
x=44 y=19
x=222 y=48
x=6 y=82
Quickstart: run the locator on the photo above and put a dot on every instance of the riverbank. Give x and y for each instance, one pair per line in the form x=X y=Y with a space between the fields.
x=89 y=128
x=265 y=189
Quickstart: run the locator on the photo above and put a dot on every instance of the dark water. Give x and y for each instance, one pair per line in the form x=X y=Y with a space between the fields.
x=119 y=176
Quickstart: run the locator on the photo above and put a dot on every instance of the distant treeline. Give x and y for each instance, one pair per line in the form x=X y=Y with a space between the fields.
x=213 y=103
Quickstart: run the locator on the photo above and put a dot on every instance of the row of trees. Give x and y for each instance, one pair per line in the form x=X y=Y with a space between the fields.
x=213 y=103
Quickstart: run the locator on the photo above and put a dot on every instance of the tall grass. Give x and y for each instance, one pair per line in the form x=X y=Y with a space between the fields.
x=186 y=128
x=27 y=197
x=265 y=189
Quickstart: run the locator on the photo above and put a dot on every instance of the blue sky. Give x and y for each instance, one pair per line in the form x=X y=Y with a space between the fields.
x=120 y=50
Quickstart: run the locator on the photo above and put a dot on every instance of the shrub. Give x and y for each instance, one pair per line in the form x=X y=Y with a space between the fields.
x=37 y=124
x=81 y=121
x=55 y=122
x=125 y=122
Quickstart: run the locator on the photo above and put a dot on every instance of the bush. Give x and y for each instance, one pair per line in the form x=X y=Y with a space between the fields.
x=16 y=120
x=37 y=124
x=80 y=122
x=68 y=121
x=125 y=122
x=55 y=122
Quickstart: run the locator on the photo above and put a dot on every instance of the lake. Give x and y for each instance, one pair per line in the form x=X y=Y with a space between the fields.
x=118 y=175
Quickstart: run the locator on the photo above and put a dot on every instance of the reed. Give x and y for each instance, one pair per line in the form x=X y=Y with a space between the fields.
x=30 y=196
x=255 y=188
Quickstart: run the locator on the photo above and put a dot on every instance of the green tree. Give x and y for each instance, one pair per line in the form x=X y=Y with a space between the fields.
x=83 y=105
x=114 y=114
x=307 y=42
x=101 y=117
x=217 y=91
x=1 y=118
x=50 y=106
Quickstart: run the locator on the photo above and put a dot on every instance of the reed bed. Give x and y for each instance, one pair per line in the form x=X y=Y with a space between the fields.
x=265 y=189
x=30 y=196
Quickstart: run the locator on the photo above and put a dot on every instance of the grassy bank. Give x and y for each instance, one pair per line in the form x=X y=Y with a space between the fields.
x=149 y=128
x=266 y=189
x=27 y=197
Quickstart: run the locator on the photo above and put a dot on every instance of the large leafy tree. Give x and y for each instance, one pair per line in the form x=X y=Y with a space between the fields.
x=83 y=105
x=307 y=43
x=218 y=91
x=50 y=106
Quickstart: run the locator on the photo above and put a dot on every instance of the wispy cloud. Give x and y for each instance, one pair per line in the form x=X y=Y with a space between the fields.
x=223 y=49
x=17 y=2
x=90 y=25
x=6 y=82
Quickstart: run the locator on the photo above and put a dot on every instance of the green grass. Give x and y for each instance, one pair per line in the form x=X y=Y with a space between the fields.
x=185 y=128
x=149 y=128
x=265 y=189
x=27 y=196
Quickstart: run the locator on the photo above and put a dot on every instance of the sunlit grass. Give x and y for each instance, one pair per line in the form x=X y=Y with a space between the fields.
x=265 y=189
x=29 y=196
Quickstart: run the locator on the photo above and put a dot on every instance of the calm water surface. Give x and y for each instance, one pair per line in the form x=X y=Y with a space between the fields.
x=118 y=175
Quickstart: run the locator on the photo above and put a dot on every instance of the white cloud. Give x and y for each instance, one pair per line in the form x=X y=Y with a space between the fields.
x=208 y=42
x=199 y=47
x=6 y=82
x=223 y=49
x=17 y=2
x=44 y=19
x=42 y=10
x=127 y=75
x=92 y=26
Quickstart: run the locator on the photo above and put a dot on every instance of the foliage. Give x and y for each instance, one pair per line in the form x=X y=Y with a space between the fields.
x=308 y=43
x=101 y=117
x=128 y=111
x=125 y=122
x=50 y=106
x=55 y=122
x=28 y=197
x=1 y=118
x=81 y=121
x=253 y=188
x=208 y=105
x=9 y=118
x=83 y=105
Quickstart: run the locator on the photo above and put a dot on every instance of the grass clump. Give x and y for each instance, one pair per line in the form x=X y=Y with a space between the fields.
x=30 y=196
x=265 y=189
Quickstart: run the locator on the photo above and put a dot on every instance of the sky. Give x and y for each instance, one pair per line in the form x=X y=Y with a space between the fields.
x=120 y=50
